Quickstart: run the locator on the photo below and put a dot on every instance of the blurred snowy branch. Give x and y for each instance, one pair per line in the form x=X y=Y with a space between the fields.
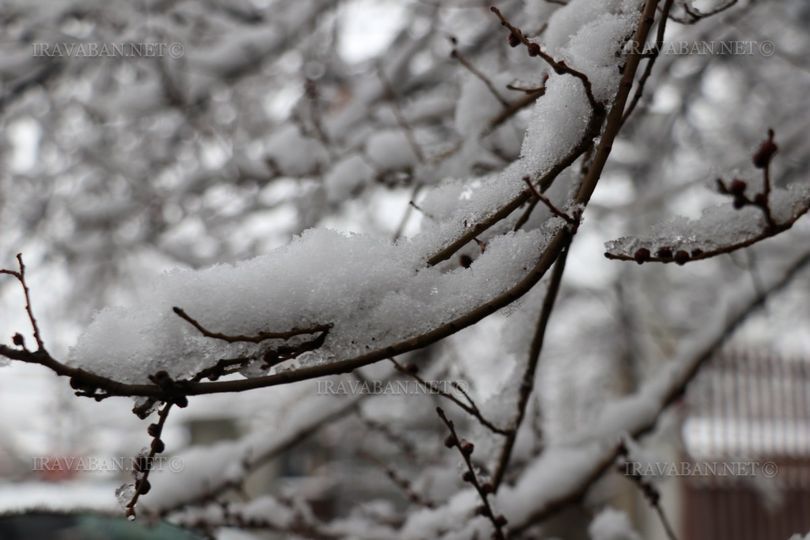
x=283 y=202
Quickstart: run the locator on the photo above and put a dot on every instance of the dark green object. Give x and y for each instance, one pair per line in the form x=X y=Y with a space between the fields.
x=85 y=526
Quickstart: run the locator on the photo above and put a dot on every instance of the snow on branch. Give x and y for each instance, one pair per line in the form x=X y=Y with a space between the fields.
x=379 y=298
x=328 y=304
x=721 y=229
x=749 y=218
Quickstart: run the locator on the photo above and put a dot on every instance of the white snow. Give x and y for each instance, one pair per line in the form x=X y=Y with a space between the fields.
x=718 y=226
x=372 y=292
x=612 y=524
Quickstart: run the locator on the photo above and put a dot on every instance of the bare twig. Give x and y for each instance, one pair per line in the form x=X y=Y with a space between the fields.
x=407 y=214
x=402 y=483
x=406 y=127
x=527 y=382
x=313 y=96
x=406 y=446
x=20 y=275
x=258 y=338
x=514 y=108
x=484 y=490
x=455 y=53
x=650 y=492
x=651 y=58
x=144 y=466
x=524 y=217
x=471 y=408
x=547 y=202
x=694 y=15
x=251 y=461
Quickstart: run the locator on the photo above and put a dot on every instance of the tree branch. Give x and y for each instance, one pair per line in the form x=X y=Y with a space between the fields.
x=258 y=338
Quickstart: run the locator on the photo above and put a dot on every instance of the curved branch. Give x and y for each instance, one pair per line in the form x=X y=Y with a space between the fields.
x=553 y=249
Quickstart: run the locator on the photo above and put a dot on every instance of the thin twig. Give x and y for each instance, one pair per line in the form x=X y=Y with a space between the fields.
x=455 y=53
x=21 y=278
x=527 y=382
x=546 y=201
x=524 y=217
x=559 y=66
x=258 y=338
x=407 y=214
x=471 y=409
x=648 y=490
x=544 y=181
x=405 y=446
x=656 y=51
x=402 y=483
x=142 y=483
x=466 y=449
x=514 y=108
x=695 y=15
x=400 y=116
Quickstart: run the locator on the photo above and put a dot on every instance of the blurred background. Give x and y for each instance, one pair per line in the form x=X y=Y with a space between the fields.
x=117 y=167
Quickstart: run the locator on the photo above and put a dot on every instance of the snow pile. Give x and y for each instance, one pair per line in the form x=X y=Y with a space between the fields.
x=565 y=106
x=372 y=292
